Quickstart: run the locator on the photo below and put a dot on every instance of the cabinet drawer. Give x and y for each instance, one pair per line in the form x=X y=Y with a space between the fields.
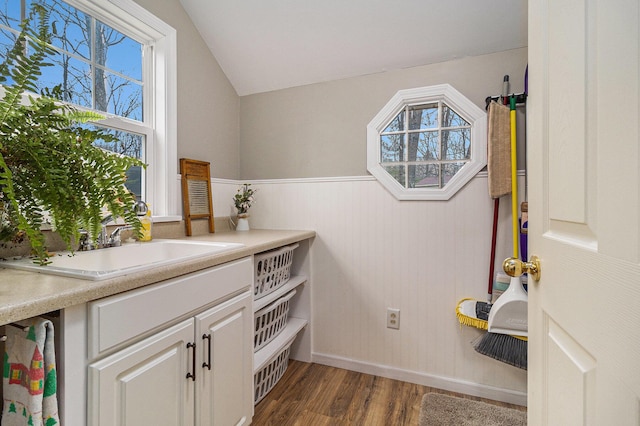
x=119 y=318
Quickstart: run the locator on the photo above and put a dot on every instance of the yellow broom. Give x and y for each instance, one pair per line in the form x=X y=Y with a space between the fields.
x=472 y=312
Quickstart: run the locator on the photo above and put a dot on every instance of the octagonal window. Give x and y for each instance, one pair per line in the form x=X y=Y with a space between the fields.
x=427 y=143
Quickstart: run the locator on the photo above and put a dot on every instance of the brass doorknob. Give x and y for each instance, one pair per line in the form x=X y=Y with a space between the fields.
x=515 y=267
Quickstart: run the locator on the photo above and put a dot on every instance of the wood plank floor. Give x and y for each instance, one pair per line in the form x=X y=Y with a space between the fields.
x=314 y=394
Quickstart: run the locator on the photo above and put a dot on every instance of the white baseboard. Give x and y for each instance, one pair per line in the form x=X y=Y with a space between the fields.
x=445 y=383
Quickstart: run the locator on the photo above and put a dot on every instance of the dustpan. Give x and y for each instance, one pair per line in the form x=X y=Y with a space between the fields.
x=508 y=314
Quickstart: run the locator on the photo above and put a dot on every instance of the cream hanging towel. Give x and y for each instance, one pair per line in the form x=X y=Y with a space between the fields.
x=29 y=375
x=499 y=150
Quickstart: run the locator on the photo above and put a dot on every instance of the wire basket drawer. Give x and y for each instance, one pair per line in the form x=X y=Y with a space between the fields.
x=272 y=270
x=271 y=320
x=268 y=376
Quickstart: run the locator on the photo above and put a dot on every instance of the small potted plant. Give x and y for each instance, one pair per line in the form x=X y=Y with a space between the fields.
x=243 y=199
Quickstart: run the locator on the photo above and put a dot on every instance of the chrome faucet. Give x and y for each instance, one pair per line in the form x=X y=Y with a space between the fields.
x=105 y=240
x=114 y=238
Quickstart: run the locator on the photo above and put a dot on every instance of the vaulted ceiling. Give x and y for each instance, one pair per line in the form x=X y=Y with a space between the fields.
x=265 y=45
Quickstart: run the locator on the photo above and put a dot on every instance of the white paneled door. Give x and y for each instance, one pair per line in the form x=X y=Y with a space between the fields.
x=584 y=212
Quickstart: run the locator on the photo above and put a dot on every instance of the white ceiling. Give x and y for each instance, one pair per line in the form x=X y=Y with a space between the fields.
x=265 y=45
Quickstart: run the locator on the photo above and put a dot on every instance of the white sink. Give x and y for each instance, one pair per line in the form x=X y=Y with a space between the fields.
x=116 y=261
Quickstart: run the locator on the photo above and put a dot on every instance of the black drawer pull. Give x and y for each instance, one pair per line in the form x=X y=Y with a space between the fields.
x=208 y=363
x=193 y=361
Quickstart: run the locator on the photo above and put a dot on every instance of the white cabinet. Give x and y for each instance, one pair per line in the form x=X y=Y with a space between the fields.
x=146 y=383
x=225 y=390
x=194 y=372
x=127 y=354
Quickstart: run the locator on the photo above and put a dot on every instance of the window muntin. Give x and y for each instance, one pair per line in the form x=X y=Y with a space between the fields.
x=426 y=143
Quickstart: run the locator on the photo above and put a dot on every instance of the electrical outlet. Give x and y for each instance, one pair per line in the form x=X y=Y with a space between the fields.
x=393 y=318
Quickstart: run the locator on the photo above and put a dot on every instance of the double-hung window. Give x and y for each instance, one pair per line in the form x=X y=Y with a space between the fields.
x=114 y=58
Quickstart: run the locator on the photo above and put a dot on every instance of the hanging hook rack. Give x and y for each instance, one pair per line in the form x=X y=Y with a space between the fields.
x=521 y=99
x=3 y=338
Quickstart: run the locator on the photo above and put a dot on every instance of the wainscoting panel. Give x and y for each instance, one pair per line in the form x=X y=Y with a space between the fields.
x=373 y=252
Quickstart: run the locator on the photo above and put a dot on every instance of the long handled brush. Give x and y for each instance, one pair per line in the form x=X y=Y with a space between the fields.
x=507 y=342
x=507 y=323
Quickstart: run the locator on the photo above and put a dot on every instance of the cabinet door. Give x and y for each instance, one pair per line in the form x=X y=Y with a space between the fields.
x=146 y=383
x=225 y=393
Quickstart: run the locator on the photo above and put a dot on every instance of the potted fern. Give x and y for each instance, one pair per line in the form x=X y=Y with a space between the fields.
x=49 y=166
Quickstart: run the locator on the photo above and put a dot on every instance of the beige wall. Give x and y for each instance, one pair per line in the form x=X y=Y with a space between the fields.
x=319 y=130
x=208 y=106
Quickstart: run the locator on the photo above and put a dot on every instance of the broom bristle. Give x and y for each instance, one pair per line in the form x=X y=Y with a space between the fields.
x=503 y=347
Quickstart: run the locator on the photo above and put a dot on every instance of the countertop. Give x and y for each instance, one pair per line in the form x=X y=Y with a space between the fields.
x=28 y=294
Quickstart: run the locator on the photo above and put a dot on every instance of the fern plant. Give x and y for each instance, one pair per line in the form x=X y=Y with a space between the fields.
x=48 y=163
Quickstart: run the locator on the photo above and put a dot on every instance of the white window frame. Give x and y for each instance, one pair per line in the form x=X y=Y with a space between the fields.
x=159 y=113
x=476 y=117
